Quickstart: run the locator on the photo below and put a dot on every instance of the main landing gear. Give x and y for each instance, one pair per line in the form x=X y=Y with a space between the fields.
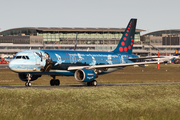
x=54 y=82
x=92 y=83
x=28 y=83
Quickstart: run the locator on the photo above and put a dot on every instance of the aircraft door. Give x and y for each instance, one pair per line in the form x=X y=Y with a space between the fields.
x=38 y=58
x=122 y=58
x=72 y=59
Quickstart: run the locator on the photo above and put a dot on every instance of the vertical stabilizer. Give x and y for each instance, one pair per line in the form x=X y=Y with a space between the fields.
x=176 y=52
x=126 y=42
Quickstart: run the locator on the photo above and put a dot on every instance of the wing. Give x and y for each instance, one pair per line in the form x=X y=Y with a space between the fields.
x=143 y=58
x=70 y=68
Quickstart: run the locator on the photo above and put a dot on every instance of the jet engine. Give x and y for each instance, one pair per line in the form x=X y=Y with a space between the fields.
x=24 y=77
x=84 y=75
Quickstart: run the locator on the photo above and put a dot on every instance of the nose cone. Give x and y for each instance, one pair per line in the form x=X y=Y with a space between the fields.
x=13 y=65
x=10 y=65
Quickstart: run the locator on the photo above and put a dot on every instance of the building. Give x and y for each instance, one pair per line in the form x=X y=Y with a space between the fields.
x=17 y=39
x=99 y=39
x=164 y=41
x=21 y=39
x=162 y=37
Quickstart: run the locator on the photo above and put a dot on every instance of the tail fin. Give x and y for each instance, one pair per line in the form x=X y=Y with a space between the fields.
x=172 y=61
x=176 y=52
x=126 y=42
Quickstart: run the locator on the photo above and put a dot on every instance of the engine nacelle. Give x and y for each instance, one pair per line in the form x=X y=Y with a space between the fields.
x=84 y=75
x=23 y=77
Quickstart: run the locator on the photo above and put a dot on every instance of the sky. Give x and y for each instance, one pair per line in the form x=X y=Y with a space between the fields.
x=152 y=15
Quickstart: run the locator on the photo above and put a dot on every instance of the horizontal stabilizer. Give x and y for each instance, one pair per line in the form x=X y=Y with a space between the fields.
x=143 y=58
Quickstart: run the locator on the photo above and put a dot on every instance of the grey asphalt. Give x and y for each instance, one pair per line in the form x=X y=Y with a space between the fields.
x=82 y=85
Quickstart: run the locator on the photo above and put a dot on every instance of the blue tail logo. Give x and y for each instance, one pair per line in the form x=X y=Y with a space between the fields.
x=125 y=45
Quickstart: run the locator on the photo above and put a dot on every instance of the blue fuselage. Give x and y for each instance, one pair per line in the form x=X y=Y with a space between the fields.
x=57 y=61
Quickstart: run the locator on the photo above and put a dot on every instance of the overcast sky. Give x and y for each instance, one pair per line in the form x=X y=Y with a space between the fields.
x=152 y=15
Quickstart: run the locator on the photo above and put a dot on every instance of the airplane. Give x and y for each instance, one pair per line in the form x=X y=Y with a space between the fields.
x=166 y=59
x=85 y=66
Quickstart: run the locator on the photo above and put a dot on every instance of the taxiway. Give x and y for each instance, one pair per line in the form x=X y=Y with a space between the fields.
x=82 y=85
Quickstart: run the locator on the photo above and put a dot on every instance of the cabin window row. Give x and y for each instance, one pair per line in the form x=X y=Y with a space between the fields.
x=85 y=59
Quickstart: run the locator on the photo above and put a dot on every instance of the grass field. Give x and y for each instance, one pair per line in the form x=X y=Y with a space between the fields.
x=157 y=102
x=149 y=74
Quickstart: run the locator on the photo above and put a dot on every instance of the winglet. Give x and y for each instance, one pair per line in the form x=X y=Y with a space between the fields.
x=126 y=42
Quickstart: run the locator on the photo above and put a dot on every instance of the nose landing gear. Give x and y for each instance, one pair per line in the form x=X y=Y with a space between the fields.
x=28 y=83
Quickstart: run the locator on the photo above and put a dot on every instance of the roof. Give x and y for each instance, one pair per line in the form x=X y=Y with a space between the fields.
x=160 y=32
x=74 y=29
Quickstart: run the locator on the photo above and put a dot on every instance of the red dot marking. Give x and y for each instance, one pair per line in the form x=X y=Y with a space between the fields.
x=127 y=30
x=122 y=43
x=129 y=47
x=131 y=43
x=129 y=25
x=126 y=34
x=120 y=49
x=125 y=49
x=124 y=38
x=131 y=36
x=131 y=39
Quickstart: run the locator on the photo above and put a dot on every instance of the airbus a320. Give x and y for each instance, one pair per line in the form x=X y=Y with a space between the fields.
x=85 y=66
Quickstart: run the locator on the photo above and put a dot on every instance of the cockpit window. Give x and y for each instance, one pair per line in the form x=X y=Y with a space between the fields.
x=27 y=57
x=23 y=57
x=18 y=57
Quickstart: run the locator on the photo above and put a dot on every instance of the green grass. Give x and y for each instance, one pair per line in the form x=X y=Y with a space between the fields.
x=156 y=102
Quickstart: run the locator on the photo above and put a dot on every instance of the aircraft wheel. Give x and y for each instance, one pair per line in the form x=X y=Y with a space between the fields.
x=28 y=84
x=52 y=82
x=94 y=83
x=88 y=83
x=57 y=82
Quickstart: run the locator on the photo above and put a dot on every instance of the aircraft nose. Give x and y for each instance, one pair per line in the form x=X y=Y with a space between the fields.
x=12 y=65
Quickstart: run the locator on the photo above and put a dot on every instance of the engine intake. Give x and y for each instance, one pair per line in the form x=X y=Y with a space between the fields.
x=84 y=75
